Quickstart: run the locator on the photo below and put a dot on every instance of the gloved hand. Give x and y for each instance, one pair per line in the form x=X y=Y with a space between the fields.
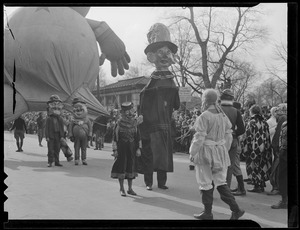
x=113 y=49
x=72 y=139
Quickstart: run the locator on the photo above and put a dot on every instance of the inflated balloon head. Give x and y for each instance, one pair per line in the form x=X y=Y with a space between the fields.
x=159 y=36
x=79 y=108
x=55 y=105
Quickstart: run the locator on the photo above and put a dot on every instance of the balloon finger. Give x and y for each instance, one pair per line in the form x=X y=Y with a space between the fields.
x=127 y=57
x=102 y=59
x=120 y=67
x=114 y=69
x=125 y=64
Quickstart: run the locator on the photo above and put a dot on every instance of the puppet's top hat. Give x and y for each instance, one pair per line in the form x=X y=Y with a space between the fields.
x=159 y=36
x=126 y=106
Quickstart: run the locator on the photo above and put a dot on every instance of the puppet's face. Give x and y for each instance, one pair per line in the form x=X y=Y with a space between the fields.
x=129 y=113
x=55 y=107
x=80 y=110
x=162 y=58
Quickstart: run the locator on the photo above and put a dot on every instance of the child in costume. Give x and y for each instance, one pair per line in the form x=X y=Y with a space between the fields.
x=126 y=146
x=80 y=129
x=54 y=129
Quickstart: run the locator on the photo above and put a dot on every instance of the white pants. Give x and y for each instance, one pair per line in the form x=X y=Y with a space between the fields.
x=205 y=176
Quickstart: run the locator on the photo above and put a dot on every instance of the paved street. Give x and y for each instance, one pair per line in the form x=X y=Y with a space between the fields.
x=87 y=192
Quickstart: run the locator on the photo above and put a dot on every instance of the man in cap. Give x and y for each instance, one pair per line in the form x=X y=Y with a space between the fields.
x=157 y=101
x=20 y=127
x=54 y=129
x=238 y=129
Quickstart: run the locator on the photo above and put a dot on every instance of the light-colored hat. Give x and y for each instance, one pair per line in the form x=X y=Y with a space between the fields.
x=159 y=36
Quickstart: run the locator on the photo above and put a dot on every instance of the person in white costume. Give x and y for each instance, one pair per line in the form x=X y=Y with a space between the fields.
x=209 y=153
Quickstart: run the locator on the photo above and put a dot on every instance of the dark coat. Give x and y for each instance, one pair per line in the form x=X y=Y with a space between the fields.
x=157 y=101
x=49 y=128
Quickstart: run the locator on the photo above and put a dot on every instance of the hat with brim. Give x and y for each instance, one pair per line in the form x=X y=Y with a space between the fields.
x=126 y=106
x=78 y=100
x=54 y=98
x=157 y=45
x=159 y=36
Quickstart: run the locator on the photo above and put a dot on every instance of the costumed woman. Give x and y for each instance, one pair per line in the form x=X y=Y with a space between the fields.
x=80 y=129
x=209 y=153
x=126 y=146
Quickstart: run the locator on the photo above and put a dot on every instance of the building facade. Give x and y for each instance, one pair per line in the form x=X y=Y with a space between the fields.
x=113 y=95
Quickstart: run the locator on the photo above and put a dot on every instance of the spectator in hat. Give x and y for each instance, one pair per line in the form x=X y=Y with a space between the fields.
x=209 y=153
x=80 y=129
x=20 y=128
x=238 y=128
x=158 y=100
x=126 y=146
x=54 y=129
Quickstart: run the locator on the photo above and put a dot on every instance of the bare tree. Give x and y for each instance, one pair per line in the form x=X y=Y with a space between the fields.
x=278 y=68
x=219 y=34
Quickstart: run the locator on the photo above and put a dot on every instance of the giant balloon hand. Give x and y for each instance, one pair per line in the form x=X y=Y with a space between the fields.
x=112 y=47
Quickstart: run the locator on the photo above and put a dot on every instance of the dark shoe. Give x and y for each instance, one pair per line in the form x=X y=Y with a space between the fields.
x=21 y=150
x=162 y=187
x=76 y=162
x=246 y=180
x=58 y=164
x=257 y=190
x=239 y=193
x=95 y=149
x=84 y=163
x=131 y=192
x=18 y=150
x=204 y=216
x=149 y=188
x=70 y=159
x=280 y=205
x=122 y=193
x=49 y=165
x=234 y=190
x=192 y=167
x=273 y=192
x=237 y=215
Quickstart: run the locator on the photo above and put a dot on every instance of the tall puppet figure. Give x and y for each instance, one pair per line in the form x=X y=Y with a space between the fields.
x=80 y=129
x=54 y=129
x=157 y=101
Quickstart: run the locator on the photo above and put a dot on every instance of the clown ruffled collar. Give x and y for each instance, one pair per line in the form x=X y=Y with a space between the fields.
x=161 y=75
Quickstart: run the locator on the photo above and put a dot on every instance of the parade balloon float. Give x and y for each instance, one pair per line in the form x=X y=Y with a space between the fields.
x=53 y=50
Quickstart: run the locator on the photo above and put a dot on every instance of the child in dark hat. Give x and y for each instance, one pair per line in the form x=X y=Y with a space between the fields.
x=126 y=146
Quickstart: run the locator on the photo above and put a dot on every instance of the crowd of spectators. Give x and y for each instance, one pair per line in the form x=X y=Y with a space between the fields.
x=183 y=122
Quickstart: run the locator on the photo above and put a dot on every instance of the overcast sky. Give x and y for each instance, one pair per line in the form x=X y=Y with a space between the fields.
x=131 y=24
